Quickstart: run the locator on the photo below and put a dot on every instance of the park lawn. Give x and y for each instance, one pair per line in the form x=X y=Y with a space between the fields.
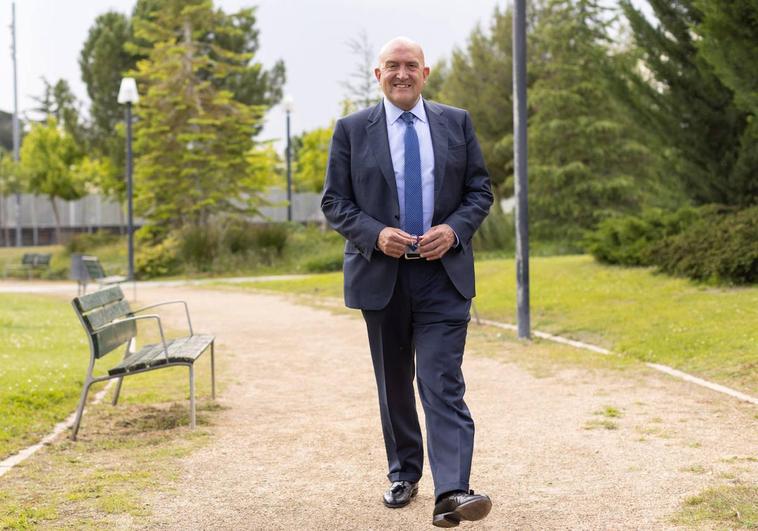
x=43 y=361
x=705 y=330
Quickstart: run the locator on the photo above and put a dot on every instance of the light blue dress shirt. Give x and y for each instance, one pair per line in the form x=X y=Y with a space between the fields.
x=396 y=135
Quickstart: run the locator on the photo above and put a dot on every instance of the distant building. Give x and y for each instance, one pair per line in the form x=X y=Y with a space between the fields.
x=95 y=213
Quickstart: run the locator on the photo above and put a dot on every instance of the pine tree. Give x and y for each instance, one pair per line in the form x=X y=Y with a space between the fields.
x=679 y=99
x=729 y=31
x=585 y=161
x=479 y=79
x=193 y=138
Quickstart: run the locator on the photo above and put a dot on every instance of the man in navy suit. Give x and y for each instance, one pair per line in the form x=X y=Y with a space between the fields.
x=406 y=185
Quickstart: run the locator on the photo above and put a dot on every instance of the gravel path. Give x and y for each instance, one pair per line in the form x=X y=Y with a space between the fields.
x=299 y=445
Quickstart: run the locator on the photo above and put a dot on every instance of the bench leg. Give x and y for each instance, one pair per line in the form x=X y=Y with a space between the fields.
x=117 y=391
x=213 y=372
x=80 y=410
x=192 y=396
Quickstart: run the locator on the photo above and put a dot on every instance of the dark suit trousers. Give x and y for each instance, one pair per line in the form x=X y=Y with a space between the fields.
x=426 y=314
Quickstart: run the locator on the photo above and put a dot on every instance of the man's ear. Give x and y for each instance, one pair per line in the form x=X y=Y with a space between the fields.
x=427 y=70
x=378 y=74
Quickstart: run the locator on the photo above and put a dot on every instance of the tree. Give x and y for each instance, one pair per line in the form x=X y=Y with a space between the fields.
x=57 y=101
x=49 y=157
x=362 y=88
x=310 y=162
x=193 y=138
x=586 y=162
x=729 y=33
x=103 y=62
x=678 y=97
x=10 y=183
x=479 y=79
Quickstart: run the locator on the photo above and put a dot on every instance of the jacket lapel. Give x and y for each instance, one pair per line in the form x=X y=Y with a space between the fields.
x=379 y=144
x=438 y=129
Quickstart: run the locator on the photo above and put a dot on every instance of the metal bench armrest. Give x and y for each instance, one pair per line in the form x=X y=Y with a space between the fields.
x=186 y=310
x=139 y=318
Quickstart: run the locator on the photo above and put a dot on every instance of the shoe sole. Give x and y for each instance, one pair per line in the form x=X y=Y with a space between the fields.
x=473 y=510
x=398 y=506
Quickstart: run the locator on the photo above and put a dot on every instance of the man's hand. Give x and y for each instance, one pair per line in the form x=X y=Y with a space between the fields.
x=436 y=242
x=394 y=242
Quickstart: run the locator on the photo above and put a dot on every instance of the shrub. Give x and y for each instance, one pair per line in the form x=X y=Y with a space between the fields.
x=85 y=242
x=324 y=263
x=239 y=236
x=496 y=233
x=711 y=243
x=199 y=245
x=157 y=260
x=272 y=237
x=720 y=248
x=628 y=240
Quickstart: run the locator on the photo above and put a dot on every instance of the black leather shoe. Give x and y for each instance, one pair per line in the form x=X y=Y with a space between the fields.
x=457 y=506
x=400 y=494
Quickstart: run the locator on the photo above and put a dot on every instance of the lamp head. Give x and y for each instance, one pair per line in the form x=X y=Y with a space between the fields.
x=127 y=93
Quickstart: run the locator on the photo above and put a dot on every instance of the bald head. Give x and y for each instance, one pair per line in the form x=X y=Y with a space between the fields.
x=400 y=43
x=401 y=72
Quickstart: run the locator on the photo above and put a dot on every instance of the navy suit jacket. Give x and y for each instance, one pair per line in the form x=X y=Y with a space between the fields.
x=360 y=198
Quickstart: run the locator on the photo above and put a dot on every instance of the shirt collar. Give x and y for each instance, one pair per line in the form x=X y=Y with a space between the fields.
x=393 y=112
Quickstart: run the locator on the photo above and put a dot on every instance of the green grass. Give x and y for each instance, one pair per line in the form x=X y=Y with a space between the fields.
x=700 y=329
x=733 y=506
x=43 y=360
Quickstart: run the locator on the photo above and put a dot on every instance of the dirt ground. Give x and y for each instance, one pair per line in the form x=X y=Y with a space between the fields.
x=299 y=446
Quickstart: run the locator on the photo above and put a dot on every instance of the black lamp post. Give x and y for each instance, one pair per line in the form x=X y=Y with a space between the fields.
x=128 y=94
x=288 y=106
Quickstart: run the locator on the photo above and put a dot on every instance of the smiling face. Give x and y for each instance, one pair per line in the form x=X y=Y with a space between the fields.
x=401 y=72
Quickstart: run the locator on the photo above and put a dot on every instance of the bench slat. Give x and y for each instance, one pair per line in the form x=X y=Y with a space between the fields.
x=113 y=337
x=183 y=349
x=86 y=303
x=107 y=314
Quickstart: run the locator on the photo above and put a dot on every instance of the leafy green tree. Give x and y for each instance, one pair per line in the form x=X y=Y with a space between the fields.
x=193 y=138
x=678 y=97
x=585 y=160
x=310 y=164
x=49 y=157
x=10 y=183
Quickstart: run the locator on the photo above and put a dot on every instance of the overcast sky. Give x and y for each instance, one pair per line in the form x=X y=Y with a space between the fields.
x=310 y=36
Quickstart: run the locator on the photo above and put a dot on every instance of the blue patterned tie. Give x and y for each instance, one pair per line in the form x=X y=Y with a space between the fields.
x=414 y=211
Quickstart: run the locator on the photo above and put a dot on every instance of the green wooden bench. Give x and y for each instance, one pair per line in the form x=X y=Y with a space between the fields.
x=93 y=271
x=30 y=262
x=110 y=323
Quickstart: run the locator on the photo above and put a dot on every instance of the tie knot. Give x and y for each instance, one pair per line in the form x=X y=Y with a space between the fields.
x=407 y=117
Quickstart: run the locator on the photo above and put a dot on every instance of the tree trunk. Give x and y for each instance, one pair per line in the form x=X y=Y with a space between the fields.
x=57 y=216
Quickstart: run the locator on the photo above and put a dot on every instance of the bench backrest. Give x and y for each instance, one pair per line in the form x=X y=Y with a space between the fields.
x=28 y=259
x=93 y=267
x=42 y=260
x=99 y=309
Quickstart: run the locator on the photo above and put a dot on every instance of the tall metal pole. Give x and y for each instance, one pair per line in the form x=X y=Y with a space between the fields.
x=129 y=193
x=16 y=132
x=520 y=164
x=289 y=170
